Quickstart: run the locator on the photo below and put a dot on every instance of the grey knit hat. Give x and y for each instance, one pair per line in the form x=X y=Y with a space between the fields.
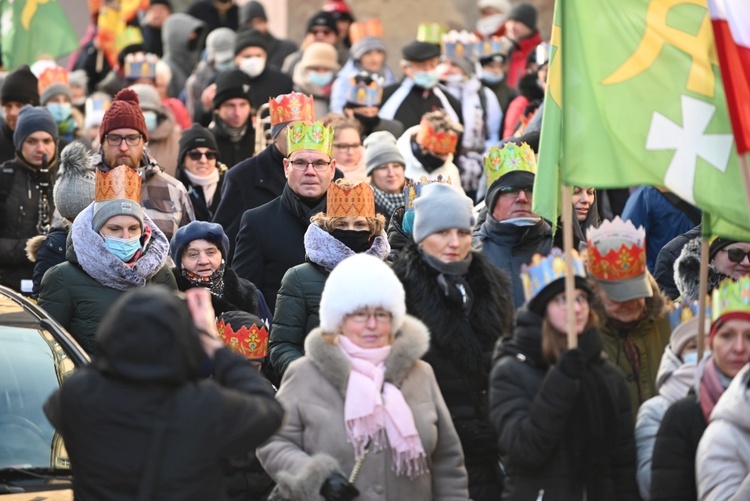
x=365 y=45
x=76 y=181
x=107 y=209
x=380 y=149
x=148 y=97
x=441 y=207
x=56 y=89
x=220 y=45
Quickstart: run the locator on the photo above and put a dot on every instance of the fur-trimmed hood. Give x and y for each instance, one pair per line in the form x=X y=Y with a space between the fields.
x=326 y=251
x=409 y=344
x=687 y=271
x=35 y=243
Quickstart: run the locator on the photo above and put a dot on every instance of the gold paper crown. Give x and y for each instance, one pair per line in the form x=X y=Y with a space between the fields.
x=355 y=201
x=364 y=29
x=52 y=75
x=731 y=297
x=509 y=158
x=122 y=182
x=365 y=89
x=437 y=142
x=542 y=271
x=459 y=44
x=291 y=107
x=315 y=136
x=430 y=32
x=617 y=250
x=250 y=342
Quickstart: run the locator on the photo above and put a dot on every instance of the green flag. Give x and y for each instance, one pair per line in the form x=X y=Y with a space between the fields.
x=635 y=97
x=34 y=28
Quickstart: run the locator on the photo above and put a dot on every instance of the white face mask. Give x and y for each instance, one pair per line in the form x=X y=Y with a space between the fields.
x=522 y=221
x=454 y=79
x=252 y=66
x=490 y=24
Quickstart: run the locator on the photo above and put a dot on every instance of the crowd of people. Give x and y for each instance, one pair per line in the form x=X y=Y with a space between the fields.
x=302 y=274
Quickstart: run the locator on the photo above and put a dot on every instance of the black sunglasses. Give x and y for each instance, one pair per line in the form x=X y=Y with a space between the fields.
x=196 y=155
x=737 y=255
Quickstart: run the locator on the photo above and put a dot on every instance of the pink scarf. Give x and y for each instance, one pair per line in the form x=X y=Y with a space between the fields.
x=710 y=388
x=371 y=416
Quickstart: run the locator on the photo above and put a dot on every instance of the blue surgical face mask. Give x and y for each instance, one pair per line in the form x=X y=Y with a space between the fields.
x=426 y=79
x=492 y=78
x=60 y=111
x=151 y=120
x=320 y=79
x=692 y=358
x=123 y=248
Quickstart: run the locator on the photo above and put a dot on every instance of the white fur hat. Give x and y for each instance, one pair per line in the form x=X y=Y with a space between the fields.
x=361 y=281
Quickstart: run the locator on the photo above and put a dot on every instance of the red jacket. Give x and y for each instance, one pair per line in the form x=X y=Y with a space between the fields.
x=518 y=57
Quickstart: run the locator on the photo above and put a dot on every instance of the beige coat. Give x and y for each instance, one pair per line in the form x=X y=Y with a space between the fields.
x=313 y=442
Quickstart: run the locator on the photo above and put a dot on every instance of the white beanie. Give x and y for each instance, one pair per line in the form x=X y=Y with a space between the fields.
x=361 y=281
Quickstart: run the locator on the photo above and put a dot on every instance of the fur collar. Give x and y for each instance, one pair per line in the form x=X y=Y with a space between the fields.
x=410 y=343
x=687 y=271
x=35 y=243
x=326 y=251
x=103 y=266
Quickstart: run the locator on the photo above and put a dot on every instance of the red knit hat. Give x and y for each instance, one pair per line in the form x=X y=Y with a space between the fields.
x=124 y=113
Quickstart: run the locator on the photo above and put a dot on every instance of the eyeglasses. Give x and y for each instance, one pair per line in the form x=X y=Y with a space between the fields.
x=361 y=316
x=301 y=165
x=581 y=298
x=196 y=155
x=736 y=255
x=116 y=140
x=508 y=191
x=342 y=146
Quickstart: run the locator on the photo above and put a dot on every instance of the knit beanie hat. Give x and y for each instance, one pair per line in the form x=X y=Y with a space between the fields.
x=21 y=86
x=524 y=13
x=196 y=136
x=361 y=281
x=249 y=38
x=148 y=97
x=324 y=19
x=56 y=89
x=33 y=119
x=78 y=78
x=124 y=113
x=220 y=45
x=441 y=207
x=320 y=55
x=76 y=181
x=252 y=10
x=380 y=149
x=365 y=45
x=717 y=244
x=104 y=211
x=684 y=333
x=230 y=85
x=466 y=65
x=197 y=230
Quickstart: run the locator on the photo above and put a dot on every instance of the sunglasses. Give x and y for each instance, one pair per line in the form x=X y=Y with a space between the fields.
x=737 y=255
x=196 y=155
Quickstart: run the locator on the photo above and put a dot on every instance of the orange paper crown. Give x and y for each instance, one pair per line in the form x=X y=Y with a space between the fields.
x=437 y=142
x=250 y=342
x=122 y=182
x=359 y=200
x=363 y=29
x=616 y=250
x=291 y=107
x=52 y=75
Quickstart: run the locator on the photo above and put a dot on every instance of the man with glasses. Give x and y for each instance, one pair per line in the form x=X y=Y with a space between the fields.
x=511 y=233
x=124 y=137
x=271 y=237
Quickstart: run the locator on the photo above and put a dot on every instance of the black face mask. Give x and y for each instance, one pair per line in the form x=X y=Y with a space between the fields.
x=356 y=240
x=428 y=161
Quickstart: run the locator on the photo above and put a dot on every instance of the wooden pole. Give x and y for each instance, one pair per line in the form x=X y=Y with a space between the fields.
x=702 y=289
x=570 y=286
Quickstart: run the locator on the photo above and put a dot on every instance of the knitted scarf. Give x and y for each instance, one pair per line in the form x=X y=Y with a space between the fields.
x=711 y=388
x=390 y=201
x=375 y=410
x=213 y=282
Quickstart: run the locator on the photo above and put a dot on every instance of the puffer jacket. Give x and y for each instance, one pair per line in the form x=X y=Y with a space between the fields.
x=45 y=251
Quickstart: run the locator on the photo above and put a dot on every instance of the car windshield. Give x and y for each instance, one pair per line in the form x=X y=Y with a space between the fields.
x=32 y=366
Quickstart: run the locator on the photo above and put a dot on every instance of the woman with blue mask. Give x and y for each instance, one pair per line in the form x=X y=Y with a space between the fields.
x=113 y=247
x=314 y=74
x=57 y=98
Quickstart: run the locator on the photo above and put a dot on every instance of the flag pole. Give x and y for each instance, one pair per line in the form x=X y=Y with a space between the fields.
x=567 y=214
x=703 y=285
x=745 y=175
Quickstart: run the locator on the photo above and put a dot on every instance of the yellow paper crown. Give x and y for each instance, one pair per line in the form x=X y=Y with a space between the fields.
x=122 y=182
x=616 y=250
x=441 y=143
x=291 y=107
x=315 y=136
x=731 y=297
x=354 y=201
x=250 y=342
x=509 y=158
x=542 y=271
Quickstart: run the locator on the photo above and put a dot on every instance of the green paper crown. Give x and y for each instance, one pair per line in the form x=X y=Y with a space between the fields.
x=731 y=297
x=511 y=157
x=315 y=136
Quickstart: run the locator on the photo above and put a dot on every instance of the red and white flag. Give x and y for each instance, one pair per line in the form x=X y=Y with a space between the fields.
x=731 y=23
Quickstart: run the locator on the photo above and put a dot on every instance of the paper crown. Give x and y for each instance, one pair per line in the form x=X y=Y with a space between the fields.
x=731 y=297
x=542 y=271
x=460 y=44
x=99 y=103
x=617 y=250
x=122 y=182
x=139 y=66
x=250 y=342
x=413 y=189
x=441 y=143
x=357 y=201
x=684 y=311
x=490 y=47
x=315 y=136
x=52 y=75
x=430 y=32
x=291 y=107
x=509 y=158
x=364 y=29
x=365 y=89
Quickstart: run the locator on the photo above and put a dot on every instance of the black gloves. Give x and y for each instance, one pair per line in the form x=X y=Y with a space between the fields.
x=338 y=488
x=571 y=363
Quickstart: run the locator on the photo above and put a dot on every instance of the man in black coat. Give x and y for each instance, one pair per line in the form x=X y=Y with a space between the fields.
x=251 y=56
x=232 y=125
x=19 y=88
x=271 y=237
x=253 y=16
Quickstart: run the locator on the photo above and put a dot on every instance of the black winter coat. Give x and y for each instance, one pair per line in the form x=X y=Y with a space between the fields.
x=249 y=184
x=673 y=464
x=47 y=251
x=545 y=430
x=233 y=152
x=461 y=344
x=7 y=148
x=418 y=102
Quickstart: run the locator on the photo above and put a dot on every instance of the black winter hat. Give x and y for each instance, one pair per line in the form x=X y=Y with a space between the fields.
x=717 y=244
x=524 y=13
x=249 y=38
x=231 y=84
x=196 y=136
x=34 y=119
x=163 y=2
x=252 y=10
x=420 y=51
x=21 y=86
x=197 y=230
x=322 y=18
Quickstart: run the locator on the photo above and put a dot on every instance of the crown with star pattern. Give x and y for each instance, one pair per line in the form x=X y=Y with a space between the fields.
x=511 y=157
x=731 y=296
x=315 y=136
x=616 y=250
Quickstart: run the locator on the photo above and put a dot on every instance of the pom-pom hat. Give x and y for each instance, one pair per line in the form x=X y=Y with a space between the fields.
x=124 y=113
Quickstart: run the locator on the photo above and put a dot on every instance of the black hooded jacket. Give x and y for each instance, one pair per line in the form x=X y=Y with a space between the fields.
x=148 y=371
